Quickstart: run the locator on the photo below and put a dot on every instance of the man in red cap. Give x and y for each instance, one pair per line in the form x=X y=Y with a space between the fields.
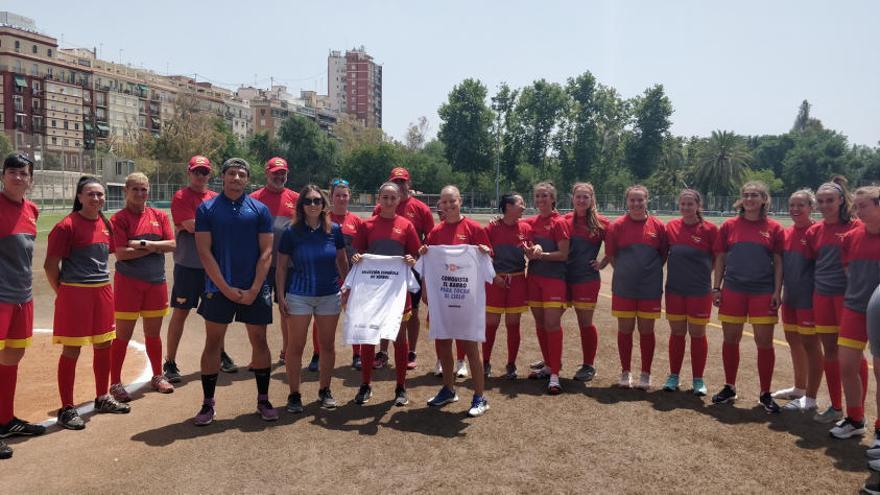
x=282 y=205
x=422 y=219
x=189 y=276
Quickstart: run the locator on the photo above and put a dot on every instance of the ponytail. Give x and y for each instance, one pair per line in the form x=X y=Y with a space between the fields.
x=838 y=184
x=698 y=198
x=77 y=204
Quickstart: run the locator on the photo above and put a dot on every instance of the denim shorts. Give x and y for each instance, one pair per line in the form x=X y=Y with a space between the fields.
x=317 y=305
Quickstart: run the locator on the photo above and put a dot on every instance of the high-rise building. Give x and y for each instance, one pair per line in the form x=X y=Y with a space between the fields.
x=354 y=85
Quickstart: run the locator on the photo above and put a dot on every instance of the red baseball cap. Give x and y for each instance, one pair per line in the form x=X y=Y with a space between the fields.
x=275 y=164
x=199 y=161
x=399 y=173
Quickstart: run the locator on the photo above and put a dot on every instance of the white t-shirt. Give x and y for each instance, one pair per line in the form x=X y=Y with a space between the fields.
x=378 y=297
x=455 y=280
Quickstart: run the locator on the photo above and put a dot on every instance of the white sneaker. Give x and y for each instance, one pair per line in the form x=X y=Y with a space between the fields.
x=644 y=381
x=873 y=451
x=828 y=416
x=479 y=406
x=625 y=380
x=438 y=369
x=790 y=393
x=461 y=369
x=803 y=404
x=553 y=385
x=847 y=428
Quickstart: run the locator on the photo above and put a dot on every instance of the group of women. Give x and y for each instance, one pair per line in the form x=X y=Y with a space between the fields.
x=820 y=273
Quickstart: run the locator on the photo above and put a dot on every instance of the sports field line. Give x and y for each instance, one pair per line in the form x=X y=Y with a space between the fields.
x=140 y=381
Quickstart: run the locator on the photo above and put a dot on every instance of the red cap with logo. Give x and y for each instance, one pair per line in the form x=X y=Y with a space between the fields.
x=199 y=161
x=275 y=164
x=399 y=173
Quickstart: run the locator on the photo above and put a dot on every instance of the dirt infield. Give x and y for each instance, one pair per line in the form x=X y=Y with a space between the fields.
x=590 y=439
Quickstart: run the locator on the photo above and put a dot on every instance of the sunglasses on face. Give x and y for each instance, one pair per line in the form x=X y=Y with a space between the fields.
x=313 y=201
x=199 y=171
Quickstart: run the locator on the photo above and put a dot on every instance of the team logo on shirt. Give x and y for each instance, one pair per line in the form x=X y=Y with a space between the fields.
x=547 y=227
x=32 y=220
x=840 y=236
x=288 y=204
x=411 y=214
x=451 y=267
x=651 y=234
x=521 y=237
x=154 y=223
x=697 y=239
x=764 y=234
x=349 y=226
x=461 y=237
x=106 y=232
x=397 y=230
x=803 y=242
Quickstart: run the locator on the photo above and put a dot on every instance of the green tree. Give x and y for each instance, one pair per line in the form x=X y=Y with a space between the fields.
x=721 y=163
x=651 y=114
x=465 y=130
x=816 y=156
x=369 y=165
x=578 y=142
x=313 y=156
x=538 y=110
x=803 y=122
x=263 y=146
x=429 y=169
x=613 y=114
x=767 y=177
x=769 y=152
x=507 y=133
x=672 y=174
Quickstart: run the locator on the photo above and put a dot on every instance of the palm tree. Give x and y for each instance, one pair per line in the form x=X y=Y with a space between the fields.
x=722 y=162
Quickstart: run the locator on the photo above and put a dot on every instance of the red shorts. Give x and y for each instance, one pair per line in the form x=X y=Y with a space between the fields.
x=693 y=309
x=853 y=330
x=584 y=295
x=546 y=292
x=134 y=298
x=827 y=312
x=737 y=307
x=16 y=324
x=625 y=307
x=513 y=299
x=84 y=315
x=798 y=320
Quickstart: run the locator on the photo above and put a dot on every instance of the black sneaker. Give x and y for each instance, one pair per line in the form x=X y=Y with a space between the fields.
x=356 y=362
x=400 y=398
x=294 y=403
x=510 y=371
x=315 y=363
x=227 y=365
x=5 y=451
x=381 y=360
x=727 y=394
x=107 y=404
x=172 y=372
x=17 y=427
x=325 y=397
x=365 y=393
x=487 y=370
x=585 y=373
x=70 y=419
x=770 y=405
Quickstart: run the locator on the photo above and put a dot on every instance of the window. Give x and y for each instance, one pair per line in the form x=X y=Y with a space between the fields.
x=38 y=123
x=34 y=49
x=54 y=140
x=17 y=46
x=65 y=125
x=35 y=104
x=66 y=142
x=18 y=102
x=35 y=69
x=54 y=123
x=49 y=52
x=35 y=85
x=76 y=126
x=78 y=144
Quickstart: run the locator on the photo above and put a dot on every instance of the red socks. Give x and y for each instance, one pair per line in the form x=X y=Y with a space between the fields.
x=154 y=353
x=368 y=357
x=66 y=377
x=117 y=357
x=676 y=353
x=401 y=349
x=699 y=354
x=730 y=359
x=766 y=362
x=624 y=349
x=589 y=343
x=513 y=340
x=647 y=341
x=491 y=332
x=832 y=377
x=101 y=367
x=554 y=350
x=356 y=350
x=8 y=379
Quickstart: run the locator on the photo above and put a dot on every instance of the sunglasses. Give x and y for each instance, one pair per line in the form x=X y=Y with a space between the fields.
x=199 y=171
x=339 y=182
x=313 y=201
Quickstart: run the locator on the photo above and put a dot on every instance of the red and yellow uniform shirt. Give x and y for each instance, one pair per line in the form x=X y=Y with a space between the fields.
x=282 y=206
x=416 y=212
x=387 y=236
x=750 y=246
x=797 y=269
x=18 y=231
x=150 y=225
x=638 y=249
x=689 y=267
x=548 y=231
x=466 y=231
x=825 y=242
x=585 y=245
x=83 y=246
x=350 y=223
x=861 y=257
x=183 y=207
x=508 y=243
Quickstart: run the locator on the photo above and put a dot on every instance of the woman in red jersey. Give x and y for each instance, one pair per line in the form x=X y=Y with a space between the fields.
x=141 y=236
x=18 y=230
x=636 y=245
x=861 y=259
x=825 y=241
x=76 y=268
x=340 y=195
x=387 y=234
x=453 y=230
x=748 y=261
x=546 y=281
x=587 y=229
x=689 y=288
x=797 y=306
x=508 y=294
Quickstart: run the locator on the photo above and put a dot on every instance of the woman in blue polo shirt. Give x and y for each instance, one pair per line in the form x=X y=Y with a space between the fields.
x=316 y=247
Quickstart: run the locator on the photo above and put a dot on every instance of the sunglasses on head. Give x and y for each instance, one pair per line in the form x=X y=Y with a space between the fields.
x=313 y=201
x=339 y=182
x=200 y=171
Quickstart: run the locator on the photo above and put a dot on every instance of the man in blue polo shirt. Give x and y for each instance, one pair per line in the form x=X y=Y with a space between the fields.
x=234 y=242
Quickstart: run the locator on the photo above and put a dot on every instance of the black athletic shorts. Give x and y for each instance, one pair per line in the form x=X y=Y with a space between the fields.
x=216 y=308
x=416 y=296
x=189 y=285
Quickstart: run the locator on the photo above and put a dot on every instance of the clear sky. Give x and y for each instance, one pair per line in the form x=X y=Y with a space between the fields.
x=743 y=66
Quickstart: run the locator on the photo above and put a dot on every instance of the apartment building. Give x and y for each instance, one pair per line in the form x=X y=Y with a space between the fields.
x=354 y=85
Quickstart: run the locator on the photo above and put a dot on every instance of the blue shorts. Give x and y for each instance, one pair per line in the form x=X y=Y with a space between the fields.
x=188 y=288
x=317 y=305
x=216 y=308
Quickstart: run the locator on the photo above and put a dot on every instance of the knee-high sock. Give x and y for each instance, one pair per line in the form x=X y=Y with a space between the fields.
x=589 y=343
x=542 y=343
x=101 y=367
x=8 y=379
x=766 y=362
x=676 y=353
x=154 y=353
x=554 y=350
x=730 y=359
x=401 y=349
x=647 y=342
x=832 y=378
x=699 y=354
x=356 y=350
x=513 y=341
x=491 y=332
x=118 y=350
x=66 y=377
x=368 y=356
x=625 y=349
